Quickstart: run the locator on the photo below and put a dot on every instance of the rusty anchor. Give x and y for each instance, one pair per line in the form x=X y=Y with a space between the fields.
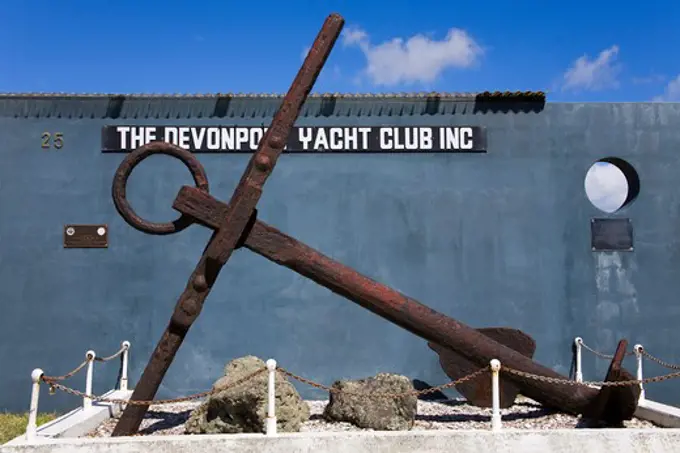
x=235 y=225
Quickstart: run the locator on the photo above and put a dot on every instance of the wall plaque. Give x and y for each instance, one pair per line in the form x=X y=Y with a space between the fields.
x=86 y=236
x=611 y=235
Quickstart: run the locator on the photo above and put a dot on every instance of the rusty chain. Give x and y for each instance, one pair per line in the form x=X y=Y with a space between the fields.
x=55 y=385
x=659 y=361
x=194 y=396
x=69 y=374
x=642 y=352
x=552 y=380
x=82 y=365
x=51 y=381
x=332 y=389
x=601 y=354
x=112 y=356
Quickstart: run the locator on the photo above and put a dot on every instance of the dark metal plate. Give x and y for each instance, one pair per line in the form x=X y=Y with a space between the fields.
x=611 y=235
x=86 y=236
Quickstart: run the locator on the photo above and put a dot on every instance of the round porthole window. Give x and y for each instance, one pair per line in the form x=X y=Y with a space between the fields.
x=611 y=184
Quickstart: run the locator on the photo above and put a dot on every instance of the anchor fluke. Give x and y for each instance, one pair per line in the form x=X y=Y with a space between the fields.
x=478 y=390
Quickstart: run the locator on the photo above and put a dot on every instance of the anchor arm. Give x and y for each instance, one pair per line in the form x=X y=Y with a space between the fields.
x=397 y=308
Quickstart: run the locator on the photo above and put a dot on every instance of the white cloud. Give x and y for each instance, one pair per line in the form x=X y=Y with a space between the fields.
x=597 y=74
x=654 y=78
x=418 y=59
x=606 y=186
x=671 y=93
x=353 y=36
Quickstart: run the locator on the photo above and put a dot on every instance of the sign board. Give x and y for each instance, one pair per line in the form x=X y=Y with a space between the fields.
x=340 y=139
x=609 y=235
x=86 y=236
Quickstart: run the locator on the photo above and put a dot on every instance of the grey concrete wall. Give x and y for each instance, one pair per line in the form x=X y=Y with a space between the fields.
x=492 y=239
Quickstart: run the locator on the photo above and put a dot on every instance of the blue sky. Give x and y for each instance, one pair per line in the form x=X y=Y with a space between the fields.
x=577 y=50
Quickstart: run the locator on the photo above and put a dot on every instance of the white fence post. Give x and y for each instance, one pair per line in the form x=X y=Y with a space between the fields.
x=271 y=398
x=578 y=341
x=638 y=356
x=87 y=401
x=124 y=368
x=495 y=396
x=32 y=424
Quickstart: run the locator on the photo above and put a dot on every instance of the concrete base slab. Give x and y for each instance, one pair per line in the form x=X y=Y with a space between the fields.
x=658 y=413
x=79 y=421
x=506 y=441
x=62 y=436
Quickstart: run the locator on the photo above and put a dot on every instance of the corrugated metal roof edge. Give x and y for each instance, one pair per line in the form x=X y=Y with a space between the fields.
x=536 y=96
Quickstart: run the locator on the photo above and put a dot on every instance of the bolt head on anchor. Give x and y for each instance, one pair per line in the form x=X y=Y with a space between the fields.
x=638 y=349
x=271 y=364
x=495 y=365
x=263 y=163
x=200 y=284
x=578 y=341
x=276 y=141
x=90 y=355
x=125 y=344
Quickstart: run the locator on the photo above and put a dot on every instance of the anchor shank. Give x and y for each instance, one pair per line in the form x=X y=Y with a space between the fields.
x=414 y=316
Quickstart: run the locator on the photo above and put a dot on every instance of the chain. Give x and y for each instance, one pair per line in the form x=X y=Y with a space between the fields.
x=642 y=351
x=111 y=357
x=385 y=394
x=67 y=375
x=52 y=382
x=552 y=380
x=82 y=365
x=602 y=355
x=659 y=361
x=54 y=385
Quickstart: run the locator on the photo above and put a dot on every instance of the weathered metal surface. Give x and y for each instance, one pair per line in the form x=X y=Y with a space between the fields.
x=615 y=404
x=399 y=309
x=231 y=226
x=86 y=236
x=478 y=391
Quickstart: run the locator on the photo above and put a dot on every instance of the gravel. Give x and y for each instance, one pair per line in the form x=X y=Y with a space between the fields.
x=448 y=414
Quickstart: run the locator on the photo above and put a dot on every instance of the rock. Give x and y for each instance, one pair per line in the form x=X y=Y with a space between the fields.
x=363 y=407
x=432 y=396
x=243 y=408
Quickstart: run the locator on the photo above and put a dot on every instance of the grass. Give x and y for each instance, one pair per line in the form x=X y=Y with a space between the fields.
x=13 y=425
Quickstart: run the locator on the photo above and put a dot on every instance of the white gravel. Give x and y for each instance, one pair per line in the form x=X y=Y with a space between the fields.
x=450 y=414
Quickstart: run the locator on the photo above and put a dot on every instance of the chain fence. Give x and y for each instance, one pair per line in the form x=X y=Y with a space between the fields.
x=643 y=352
x=601 y=354
x=493 y=371
x=658 y=361
x=331 y=389
x=89 y=359
x=122 y=349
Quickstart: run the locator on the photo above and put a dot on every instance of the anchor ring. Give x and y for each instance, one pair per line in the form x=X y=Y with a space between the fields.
x=123 y=173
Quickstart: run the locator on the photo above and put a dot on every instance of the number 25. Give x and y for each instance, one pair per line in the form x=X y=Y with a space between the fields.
x=55 y=140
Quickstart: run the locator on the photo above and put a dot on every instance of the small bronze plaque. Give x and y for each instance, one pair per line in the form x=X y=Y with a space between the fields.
x=608 y=235
x=86 y=236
